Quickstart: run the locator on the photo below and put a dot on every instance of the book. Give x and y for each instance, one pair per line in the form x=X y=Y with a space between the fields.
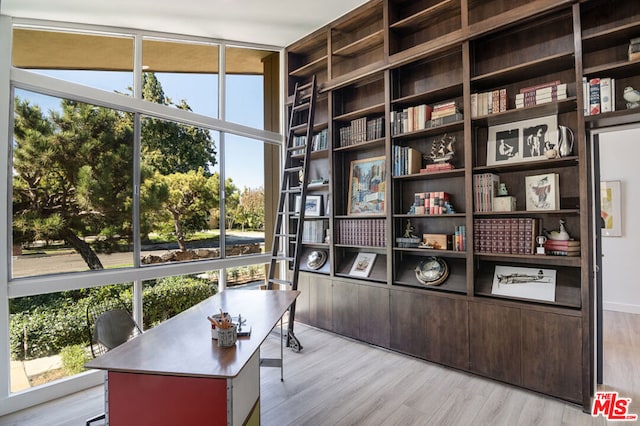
x=605 y=95
x=542 y=192
x=594 y=96
x=362 y=265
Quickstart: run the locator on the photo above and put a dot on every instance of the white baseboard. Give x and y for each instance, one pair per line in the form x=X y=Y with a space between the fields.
x=621 y=307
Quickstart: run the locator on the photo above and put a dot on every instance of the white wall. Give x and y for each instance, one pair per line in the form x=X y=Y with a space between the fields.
x=620 y=160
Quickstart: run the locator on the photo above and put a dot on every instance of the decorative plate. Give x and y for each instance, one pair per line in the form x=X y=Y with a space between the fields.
x=432 y=271
x=316 y=259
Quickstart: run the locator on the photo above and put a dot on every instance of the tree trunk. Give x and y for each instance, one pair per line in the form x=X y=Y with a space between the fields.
x=83 y=248
x=179 y=233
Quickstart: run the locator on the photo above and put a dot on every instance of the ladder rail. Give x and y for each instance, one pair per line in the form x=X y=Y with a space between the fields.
x=287 y=244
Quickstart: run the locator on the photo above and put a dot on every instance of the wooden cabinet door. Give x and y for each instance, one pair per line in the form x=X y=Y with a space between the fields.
x=447 y=331
x=302 y=302
x=320 y=302
x=495 y=342
x=373 y=308
x=346 y=318
x=552 y=354
x=408 y=322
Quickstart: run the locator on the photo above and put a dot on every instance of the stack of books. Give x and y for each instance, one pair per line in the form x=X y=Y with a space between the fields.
x=437 y=167
x=541 y=93
x=485 y=103
x=634 y=49
x=410 y=119
x=460 y=238
x=505 y=236
x=313 y=231
x=599 y=95
x=319 y=141
x=485 y=188
x=444 y=113
x=562 y=247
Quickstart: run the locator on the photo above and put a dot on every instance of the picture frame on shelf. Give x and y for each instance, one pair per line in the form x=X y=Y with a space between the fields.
x=362 y=265
x=524 y=283
x=610 y=211
x=367 y=186
x=313 y=205
x=521 y=141
x=542 y=192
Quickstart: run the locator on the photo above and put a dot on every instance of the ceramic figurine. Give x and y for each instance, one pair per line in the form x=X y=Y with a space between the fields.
x=561 y=235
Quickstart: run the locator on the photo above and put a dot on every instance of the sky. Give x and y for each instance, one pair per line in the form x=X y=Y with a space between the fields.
x=244 y=159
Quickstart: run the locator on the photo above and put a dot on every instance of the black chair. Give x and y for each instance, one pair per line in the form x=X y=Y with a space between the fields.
x=109 y=324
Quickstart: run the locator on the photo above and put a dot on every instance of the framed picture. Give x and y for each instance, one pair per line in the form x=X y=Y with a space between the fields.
x=367 y=186
x=610 y=213
x=313 y=205
x=522 y=141
x=362 y=265
x=542 y=192
x=526 y=283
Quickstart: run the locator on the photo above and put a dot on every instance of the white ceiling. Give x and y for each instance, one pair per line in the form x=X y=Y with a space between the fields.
x=270 y=22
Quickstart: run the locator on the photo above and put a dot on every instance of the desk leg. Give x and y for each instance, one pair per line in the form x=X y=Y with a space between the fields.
x=275 y=362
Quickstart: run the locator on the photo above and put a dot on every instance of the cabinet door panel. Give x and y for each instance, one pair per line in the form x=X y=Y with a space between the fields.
x=448 y=332
x=408 y=323
x=320 y=310
x=302 y=302
x=495 y=344
x=373 y=306
x=346 y=318
x=552 y=354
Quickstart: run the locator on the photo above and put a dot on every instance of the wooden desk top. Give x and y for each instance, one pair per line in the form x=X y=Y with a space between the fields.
x=182 y=345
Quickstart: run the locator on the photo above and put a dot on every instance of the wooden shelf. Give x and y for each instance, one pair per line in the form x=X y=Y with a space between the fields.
x=424 y=16
x=371 y=110
x=432 y=252
x=433 y=96
x=614 y=118
x=428 y=216
x=431 y=131
x=524 y=71
x=361 y=145
x=310 y=68
x=569 y=161
x=569 y=261
x=614 y=69
x=444 y=174
x=361 y=45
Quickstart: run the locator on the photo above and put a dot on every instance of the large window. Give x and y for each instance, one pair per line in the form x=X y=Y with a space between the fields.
x=118 y=168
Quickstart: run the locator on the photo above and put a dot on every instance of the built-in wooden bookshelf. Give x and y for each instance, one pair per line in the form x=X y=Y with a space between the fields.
x=392 y=56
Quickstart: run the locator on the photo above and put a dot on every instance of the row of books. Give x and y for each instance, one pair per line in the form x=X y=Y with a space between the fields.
x=424 y=116
x=406 y=160
x=460 y=238
x=505 y=236
x=319 y=142
x=485 y=103
x=541 y=94
x=485 y=188
x=410 y=119
x=361 y=130
x=361 y=232
x=634 y=49
x=599 y=95
x=314 y=231
x=562 y=247
x=431 y=202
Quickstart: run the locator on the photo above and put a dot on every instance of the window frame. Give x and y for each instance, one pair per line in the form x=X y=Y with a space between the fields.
x=11 y=78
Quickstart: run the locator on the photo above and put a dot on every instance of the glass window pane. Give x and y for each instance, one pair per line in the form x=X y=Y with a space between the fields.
x=179 y=194
x=165 y=297
x=72 y=186
x=244 y=190
x=49 y=338
x=187 y=72
x=100 y=61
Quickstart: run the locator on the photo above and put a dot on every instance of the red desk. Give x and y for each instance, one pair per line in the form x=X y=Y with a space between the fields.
x=176 y=374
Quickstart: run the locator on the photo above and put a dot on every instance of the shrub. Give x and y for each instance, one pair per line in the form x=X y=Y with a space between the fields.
x=73 y=359
x=46 y=330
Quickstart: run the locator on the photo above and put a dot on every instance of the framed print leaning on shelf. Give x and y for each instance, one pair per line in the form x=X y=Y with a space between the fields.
x=611 y=217
x=313 y=205
x=362 y=265
x=367 y=186
x=525 y=283
x=543 y=192
x=521 y=141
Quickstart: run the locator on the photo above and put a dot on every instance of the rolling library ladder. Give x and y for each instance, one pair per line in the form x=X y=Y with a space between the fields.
x=287 y=237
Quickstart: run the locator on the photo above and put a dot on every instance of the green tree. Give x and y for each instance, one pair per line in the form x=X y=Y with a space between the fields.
x=250 y=210
x=189 y=198
x=72 y=174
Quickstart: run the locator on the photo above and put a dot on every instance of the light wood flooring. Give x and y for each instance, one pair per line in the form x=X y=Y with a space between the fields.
x=337 y=381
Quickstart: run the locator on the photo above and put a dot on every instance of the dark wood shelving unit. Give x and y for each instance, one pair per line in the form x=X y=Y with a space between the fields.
x=390 y=55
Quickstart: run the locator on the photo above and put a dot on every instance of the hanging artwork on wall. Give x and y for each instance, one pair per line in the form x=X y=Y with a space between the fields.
x=610 y=213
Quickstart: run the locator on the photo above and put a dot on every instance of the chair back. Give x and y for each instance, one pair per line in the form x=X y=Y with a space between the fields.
x=109 y=324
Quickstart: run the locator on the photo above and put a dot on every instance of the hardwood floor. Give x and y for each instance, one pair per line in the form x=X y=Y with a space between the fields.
x=338 y=381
